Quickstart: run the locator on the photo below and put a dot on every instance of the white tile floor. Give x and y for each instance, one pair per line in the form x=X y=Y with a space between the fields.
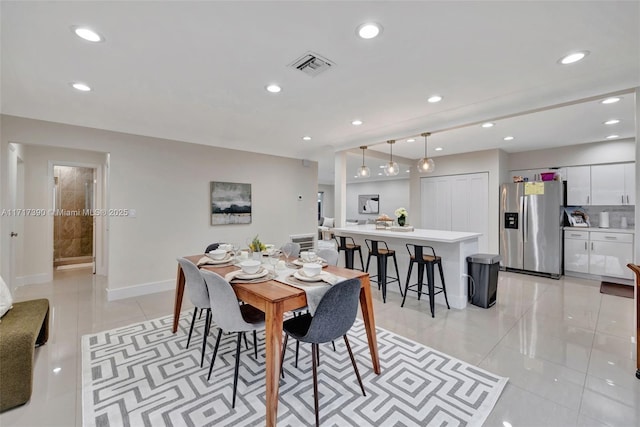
x=568 y=350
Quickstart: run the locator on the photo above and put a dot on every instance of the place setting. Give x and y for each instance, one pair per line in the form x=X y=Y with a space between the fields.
x=251 y=271
x=312 y=274
x=221 y=257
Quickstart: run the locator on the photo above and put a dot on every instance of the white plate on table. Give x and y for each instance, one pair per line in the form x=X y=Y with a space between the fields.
x=301 y=276
x=224 y=260
x=245 y=276
x=300 y=263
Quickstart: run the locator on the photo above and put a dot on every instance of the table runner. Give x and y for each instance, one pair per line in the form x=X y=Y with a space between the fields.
x=314 y=290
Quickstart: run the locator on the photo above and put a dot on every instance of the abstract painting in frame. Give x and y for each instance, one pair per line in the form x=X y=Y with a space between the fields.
x=230 y=203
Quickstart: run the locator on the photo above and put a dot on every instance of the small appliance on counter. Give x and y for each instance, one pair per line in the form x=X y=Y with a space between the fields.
x=604 y=220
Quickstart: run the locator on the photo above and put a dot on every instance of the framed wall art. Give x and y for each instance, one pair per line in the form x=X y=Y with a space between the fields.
x=230 y=203
x=369 y=203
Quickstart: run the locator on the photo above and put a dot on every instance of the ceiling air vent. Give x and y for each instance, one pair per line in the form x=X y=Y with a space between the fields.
x=312 y=64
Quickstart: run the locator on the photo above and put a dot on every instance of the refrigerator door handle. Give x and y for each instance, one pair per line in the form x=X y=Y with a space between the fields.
x=525 y=219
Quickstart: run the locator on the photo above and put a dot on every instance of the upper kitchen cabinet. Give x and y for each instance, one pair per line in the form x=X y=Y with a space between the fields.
x=601 y=185
x=613 y=184
x=579 y=185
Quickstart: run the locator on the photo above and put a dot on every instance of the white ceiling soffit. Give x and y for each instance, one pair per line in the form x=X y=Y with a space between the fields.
x=197 y=71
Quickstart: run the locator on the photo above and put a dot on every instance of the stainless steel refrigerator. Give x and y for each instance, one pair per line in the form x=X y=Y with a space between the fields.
x=531 y=219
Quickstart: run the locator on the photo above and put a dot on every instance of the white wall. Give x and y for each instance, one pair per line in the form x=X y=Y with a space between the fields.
x=329 y=195
x=167 y=182
x=575 y=155
x=393 y=195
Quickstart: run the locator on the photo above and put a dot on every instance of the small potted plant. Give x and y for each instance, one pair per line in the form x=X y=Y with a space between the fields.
x=402 y=214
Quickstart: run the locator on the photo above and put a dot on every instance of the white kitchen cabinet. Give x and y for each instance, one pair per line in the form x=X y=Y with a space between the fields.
x=579 y=185
x=607 y=185
x=598 y=252
x=610 y=254
x=576 y=251
x=630 y=183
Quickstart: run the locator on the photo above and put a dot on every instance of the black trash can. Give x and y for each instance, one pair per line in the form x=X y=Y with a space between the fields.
x=483 y=279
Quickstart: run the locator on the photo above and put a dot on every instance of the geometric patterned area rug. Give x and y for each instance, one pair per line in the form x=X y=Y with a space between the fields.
x=142 y=375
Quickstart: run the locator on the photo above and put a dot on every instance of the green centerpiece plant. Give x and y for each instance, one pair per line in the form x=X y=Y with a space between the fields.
x=256 y=245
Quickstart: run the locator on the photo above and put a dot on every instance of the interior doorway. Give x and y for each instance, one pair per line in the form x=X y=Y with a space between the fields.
x=74 y=234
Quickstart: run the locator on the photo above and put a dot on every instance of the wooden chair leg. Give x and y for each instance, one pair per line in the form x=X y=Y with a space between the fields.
x=215 y=351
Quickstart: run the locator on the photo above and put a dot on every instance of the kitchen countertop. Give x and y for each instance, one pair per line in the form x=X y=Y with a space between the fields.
x=418 y=234
x=604 y=230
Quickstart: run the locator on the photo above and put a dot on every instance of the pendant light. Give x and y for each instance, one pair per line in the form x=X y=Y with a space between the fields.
x=364 y=171
x=391 y=168
x=425 y=164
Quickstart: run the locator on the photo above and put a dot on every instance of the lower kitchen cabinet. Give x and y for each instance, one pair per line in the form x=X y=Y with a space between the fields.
x=599 y=253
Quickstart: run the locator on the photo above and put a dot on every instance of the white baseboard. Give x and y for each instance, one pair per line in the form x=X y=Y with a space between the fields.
x=142 y=289
x=34 y=279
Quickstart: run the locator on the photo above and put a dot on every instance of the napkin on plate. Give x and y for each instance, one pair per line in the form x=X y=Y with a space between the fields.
x=325 y=276
x=204 y=261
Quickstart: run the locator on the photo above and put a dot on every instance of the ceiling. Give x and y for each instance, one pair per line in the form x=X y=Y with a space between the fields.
x=197 y=71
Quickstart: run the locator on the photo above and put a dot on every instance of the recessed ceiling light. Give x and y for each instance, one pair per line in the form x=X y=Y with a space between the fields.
x=434 y=98
x=612 y=122
x=408 y=171
x=306 y=138
x=613 y=136
x=508 y=138
x=611 y=100
x=381 y=166
x=355 y=176
x=379 y=173
x=439 y=148
x=87 y=34
x=80 y=86
x=369 y=30
x=488 y=125
x=356 y=122
x=411 y=140
x=573 y=57
x=273 y=88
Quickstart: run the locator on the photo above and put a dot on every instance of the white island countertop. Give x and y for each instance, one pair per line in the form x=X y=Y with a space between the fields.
x=418 y=234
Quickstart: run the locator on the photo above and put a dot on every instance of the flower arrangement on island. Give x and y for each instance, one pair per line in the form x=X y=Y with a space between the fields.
x=402 y=214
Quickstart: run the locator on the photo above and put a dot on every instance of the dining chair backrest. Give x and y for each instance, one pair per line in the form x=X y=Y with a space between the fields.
x=196 y=288
x=330 y=255
x=211 y=247
x=336 y=312
x=295 y=248
x=225 y=310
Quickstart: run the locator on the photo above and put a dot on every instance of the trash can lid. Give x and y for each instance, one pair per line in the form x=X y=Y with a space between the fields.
x=484 y=258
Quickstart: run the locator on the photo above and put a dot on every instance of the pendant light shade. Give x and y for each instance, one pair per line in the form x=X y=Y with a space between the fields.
x=426 y=164
x=364 y=171
x=391 y=168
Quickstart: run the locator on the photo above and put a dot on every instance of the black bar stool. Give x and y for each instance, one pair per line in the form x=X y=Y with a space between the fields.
x=349 y=249
x=382 y=254
x=425 y=261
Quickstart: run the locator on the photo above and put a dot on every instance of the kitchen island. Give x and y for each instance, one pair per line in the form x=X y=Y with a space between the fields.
x=452 y=246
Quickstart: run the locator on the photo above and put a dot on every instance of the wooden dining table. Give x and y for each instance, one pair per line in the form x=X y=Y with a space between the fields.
x=274 y=299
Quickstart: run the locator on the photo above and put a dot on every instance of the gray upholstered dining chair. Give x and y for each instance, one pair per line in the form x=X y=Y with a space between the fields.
x=330 y=255
x=231 y=317
x=199 y=296
x=333 y=318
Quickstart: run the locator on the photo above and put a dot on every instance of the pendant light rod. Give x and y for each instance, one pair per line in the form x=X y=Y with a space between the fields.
x=391 y=142
x=425 y=135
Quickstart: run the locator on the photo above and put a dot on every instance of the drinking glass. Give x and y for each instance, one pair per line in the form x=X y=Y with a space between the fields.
x=287 y=250
x=312 y=255
x=236 y=252
x=274 y=259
